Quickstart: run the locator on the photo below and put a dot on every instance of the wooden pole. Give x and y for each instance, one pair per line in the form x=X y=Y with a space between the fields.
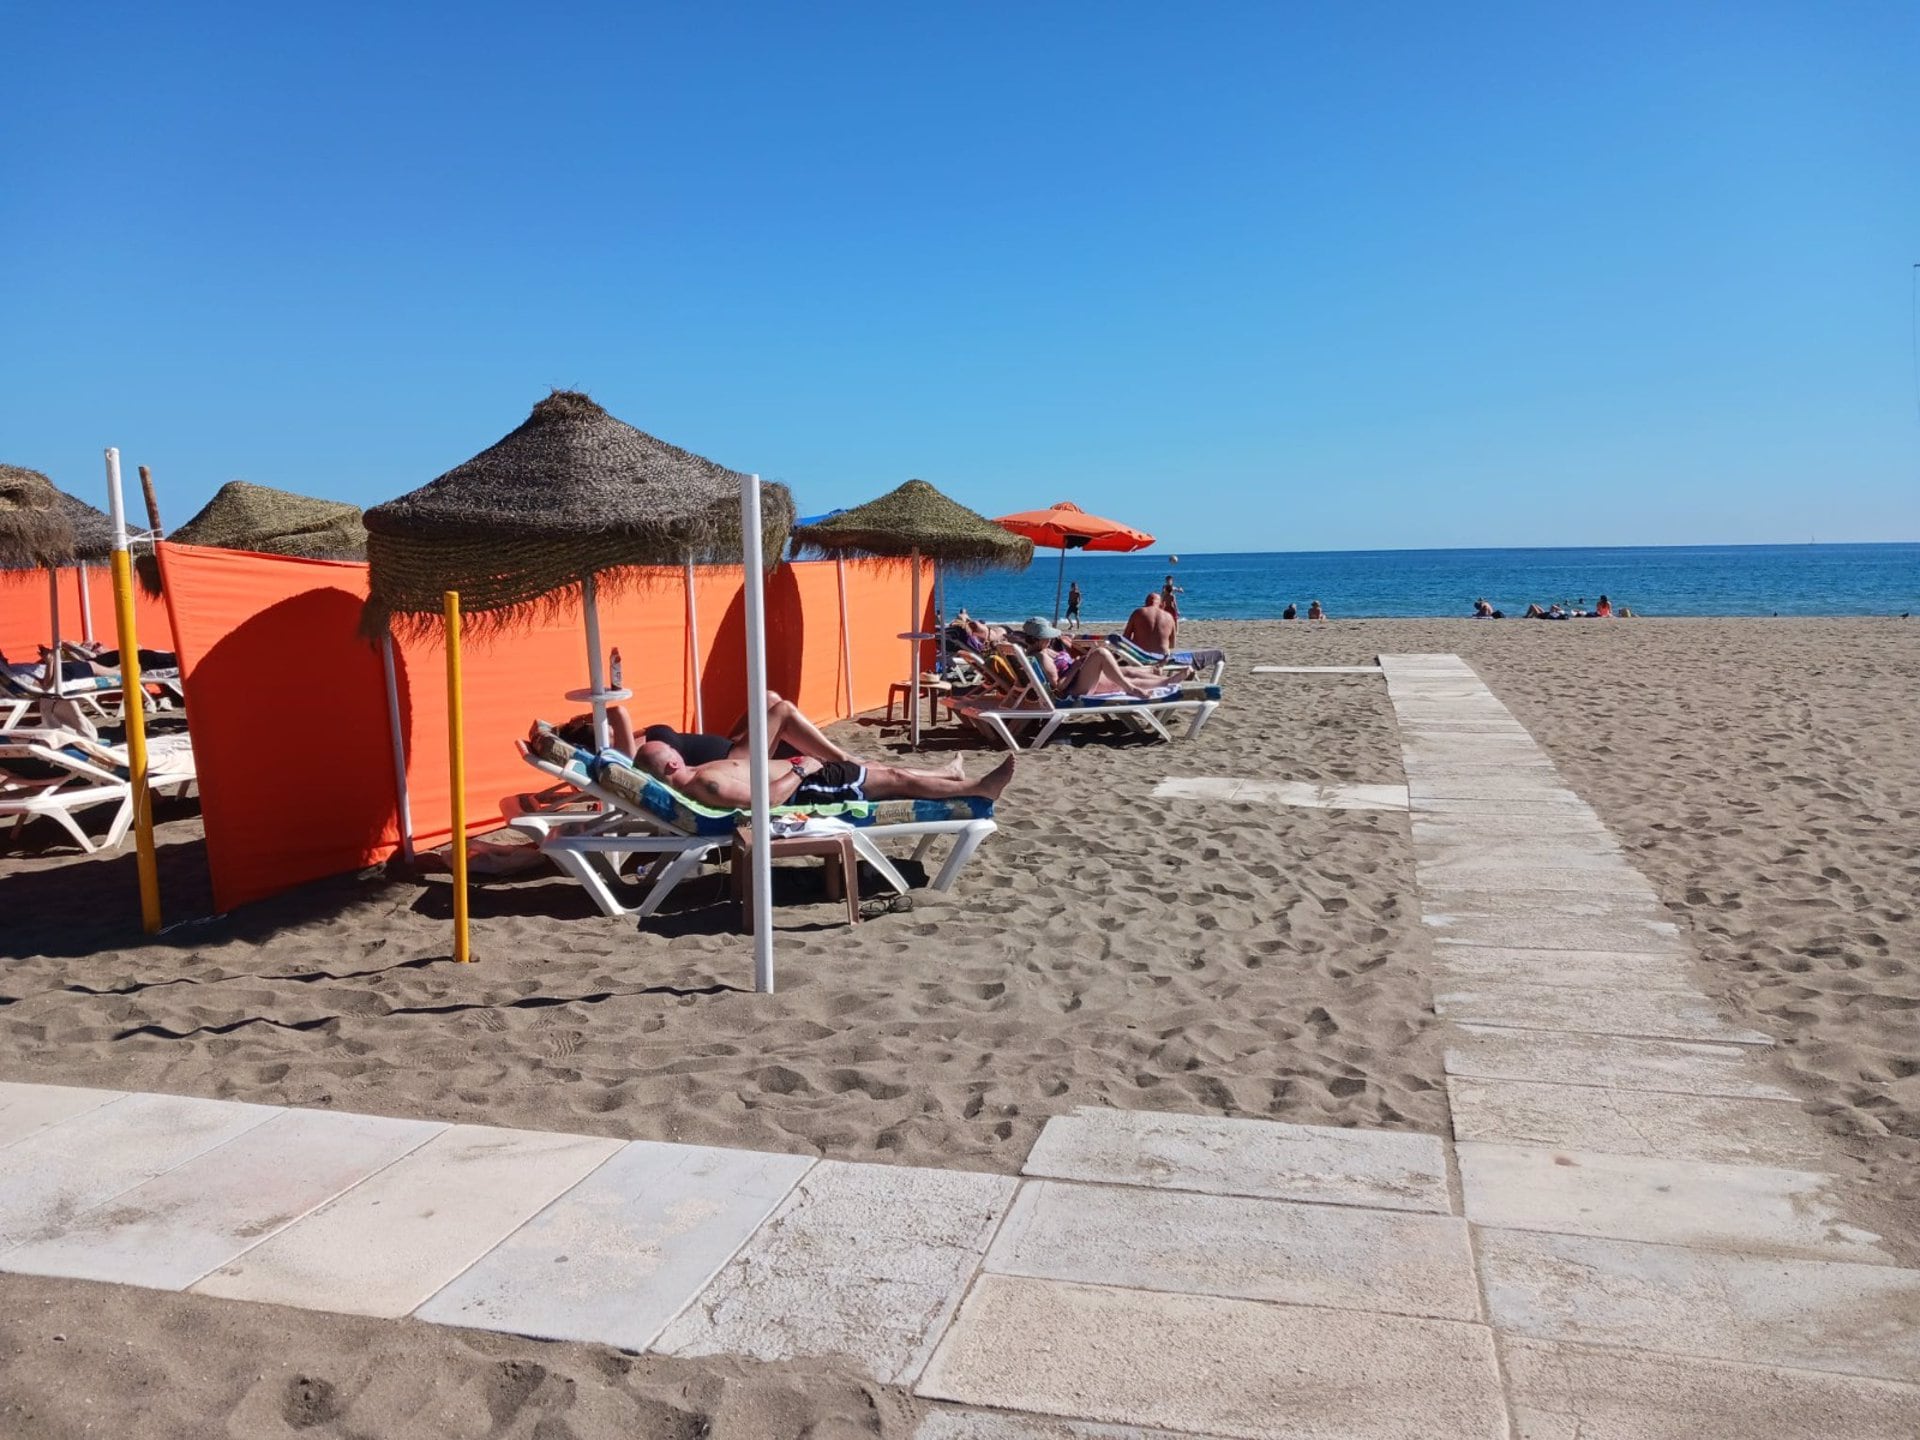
x=457 y=773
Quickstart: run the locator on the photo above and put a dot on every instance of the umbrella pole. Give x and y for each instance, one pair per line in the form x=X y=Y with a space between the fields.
x=457 y=775
x=132 y=704
x=846 y=638
x=86 y=607
x=403 y=802
x=693 y=652
x=913 y=651
x=596 y=681
x=56 y=672
x=761 y=880
x=1059 y=581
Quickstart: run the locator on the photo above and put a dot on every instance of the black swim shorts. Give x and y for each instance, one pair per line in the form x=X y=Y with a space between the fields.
x=836 y=782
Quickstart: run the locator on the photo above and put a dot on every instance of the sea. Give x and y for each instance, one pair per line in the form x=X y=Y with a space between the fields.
x=1651 y=580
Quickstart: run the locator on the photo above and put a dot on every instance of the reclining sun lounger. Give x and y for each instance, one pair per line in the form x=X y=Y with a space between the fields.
x=604 y=814
x=59 y=773
x=1029 y=700
x=100 y=698
x=1211 y=663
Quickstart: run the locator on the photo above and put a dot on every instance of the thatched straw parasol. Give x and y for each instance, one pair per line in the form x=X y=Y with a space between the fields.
x=41 y=504
x=907 y=523
x=35 y=533
x=269 y=522
x=573 y=493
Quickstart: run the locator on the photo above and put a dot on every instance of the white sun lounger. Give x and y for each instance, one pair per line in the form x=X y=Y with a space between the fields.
x=598 y=819
x=1031 y=701
x=60 y=773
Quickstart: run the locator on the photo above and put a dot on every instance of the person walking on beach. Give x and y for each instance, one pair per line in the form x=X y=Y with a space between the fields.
x=1072 y=622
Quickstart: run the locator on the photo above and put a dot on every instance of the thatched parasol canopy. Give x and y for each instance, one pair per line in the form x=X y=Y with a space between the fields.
x=918 y=518
x=270 y=522
x=89 y=530
x=35 y=532
x=573 y=492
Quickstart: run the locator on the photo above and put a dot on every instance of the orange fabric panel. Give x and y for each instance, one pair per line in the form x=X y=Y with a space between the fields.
x=288 y=704
x=287 y=709
x=26 y=624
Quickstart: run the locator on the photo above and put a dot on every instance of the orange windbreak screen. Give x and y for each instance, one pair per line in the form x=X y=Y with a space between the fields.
x=26 y=618
x=289 y=713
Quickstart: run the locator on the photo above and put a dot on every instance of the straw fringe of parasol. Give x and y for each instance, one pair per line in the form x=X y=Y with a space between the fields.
x=270 y=522
x=572 y=492
x=35 y=532
x=915 y=519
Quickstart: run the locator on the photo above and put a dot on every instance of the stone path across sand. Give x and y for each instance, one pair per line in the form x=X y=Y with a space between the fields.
x=1629 y=1236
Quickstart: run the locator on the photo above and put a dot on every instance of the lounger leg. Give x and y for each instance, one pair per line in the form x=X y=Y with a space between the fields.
x=1200 y=718
x=123 y=818
x=1001 y=731
x=964 y=844
x=671 y=874
x=580 y=867
x=870 y=853
x=1046 y=731
x=64 y=819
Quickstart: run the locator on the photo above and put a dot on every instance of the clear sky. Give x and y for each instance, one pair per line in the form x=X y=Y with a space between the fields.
x=1252 y=276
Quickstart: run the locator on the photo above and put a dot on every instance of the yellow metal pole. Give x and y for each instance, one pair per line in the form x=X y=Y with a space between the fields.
x=457 y=769
x=133 y=701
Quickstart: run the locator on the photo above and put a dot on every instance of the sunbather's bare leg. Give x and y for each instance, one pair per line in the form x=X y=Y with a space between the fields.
x=620 y=729
x=1100 y=674
x=889 y=782
x=786 y=724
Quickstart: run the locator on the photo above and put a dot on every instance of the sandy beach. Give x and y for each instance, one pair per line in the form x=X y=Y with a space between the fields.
x=1104 y=949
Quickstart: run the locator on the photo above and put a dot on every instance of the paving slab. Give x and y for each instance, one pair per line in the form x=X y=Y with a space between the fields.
x=861 y=1261
x=1197 y=787
x=26 y=1109
x=1541 y=847
x=1584 y=1392
x=1495 y=783
x=61 y=1171
x=1537 y=931
x=1636 y=1122
x=1222 y=1367
x=621 y=1253
x=1753 y=1209
x=1448 y=908
x=1616 y=970
x=1683 y=1067
x=1383 y=1169
x=1589 y=875
x=1332 y=1255
x=168 y=1232
x=388 y=1244
x=946 y=1424
x=1312 y=795
x=1814 y=1314
x=1427 y=758
x=1558 y=803
x=1549 y=827
x=1599 y=1010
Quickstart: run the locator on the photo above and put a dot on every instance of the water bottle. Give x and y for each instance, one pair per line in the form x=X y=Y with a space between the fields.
x=613 y=670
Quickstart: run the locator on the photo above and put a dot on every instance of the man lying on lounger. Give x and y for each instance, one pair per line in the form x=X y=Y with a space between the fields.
x=790 y=732
x=806 y=780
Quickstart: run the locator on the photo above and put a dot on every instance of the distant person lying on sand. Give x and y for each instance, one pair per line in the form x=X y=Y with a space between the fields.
x=1152 y=626
x=1483 y=609
x=1094 y=672
x=788 y=731
x=1314 y=612
x=727 y=784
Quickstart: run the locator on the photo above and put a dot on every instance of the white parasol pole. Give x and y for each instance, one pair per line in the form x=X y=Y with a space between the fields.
x=86 y=607
x=403 y=801
x=56 y=671
x=1058 y=583
x=754 y=581
x=693 y=652
x=846 y=638
x=596 y=678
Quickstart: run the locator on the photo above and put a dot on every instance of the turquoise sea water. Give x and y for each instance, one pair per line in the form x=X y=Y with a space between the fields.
x=1654 y=580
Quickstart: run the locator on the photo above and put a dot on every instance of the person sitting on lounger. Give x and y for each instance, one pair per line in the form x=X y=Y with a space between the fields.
x=1094 y=672
x=1151 y=626
x=789 y=732
x=804 y=780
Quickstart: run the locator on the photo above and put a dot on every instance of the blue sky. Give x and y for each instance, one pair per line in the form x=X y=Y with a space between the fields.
x=1250 y=276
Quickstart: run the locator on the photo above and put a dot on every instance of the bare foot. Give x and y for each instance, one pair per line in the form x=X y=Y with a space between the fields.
x=995 y=780
x=956 y=767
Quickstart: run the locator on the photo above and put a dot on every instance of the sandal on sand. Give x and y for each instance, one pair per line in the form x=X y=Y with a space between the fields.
x=885 y=905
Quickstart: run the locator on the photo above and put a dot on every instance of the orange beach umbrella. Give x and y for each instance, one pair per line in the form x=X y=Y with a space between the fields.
x=1064 y=526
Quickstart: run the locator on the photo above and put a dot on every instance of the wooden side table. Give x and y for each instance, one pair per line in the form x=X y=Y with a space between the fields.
x=901 y=693
x=843 y=879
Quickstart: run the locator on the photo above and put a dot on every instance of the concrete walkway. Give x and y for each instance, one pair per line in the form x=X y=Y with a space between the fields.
x=1629 y=1237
